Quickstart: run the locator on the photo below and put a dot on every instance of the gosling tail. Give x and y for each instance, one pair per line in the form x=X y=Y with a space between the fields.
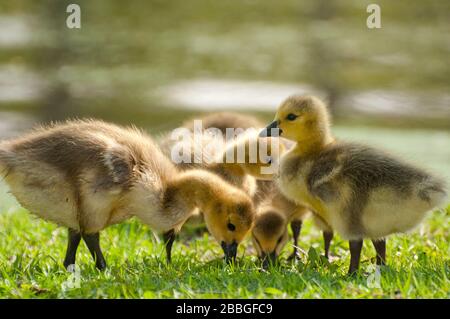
x=434 y=191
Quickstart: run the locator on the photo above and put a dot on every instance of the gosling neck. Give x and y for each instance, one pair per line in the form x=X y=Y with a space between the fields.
x=314 y=143
x=193 y=189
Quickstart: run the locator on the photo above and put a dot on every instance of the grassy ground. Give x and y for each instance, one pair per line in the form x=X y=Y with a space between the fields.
x=31 y=253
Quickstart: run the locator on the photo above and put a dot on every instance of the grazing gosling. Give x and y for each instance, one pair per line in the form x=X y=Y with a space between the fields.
x=270 y=232
x=87 y=175
x=357 y=190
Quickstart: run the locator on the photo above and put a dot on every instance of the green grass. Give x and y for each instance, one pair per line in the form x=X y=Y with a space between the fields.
x=32 y=250
x=31 y=254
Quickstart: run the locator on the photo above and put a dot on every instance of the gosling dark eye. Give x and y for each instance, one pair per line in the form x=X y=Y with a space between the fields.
x=291 y=117
x=269 y=161
x=231 y=227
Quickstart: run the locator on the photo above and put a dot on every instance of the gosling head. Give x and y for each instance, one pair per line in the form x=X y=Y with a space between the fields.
x=255 y=156
x=269 y=235
x=229 y=219
x=228 y=211
x=300 y=118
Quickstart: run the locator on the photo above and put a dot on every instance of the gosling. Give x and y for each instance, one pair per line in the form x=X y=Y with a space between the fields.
x=270 y=232
x=359 y=191
x=87 y=174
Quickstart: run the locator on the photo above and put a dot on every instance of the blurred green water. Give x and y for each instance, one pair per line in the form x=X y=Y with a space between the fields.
x=114 y=65
x=427 y=148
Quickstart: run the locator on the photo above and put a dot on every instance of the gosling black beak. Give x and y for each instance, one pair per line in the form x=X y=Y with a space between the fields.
x=230 y=251
x=271 y=130
x=268 y=259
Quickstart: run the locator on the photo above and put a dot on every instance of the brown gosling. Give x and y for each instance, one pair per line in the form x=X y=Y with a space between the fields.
x=87 y=175
x=359 y=191
x=270 y=231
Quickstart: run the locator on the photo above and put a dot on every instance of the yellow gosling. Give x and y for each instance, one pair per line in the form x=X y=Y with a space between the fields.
x=359 y=191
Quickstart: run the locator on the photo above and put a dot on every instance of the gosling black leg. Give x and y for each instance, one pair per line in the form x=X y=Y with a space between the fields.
x=74 y=238
x=169 y=238
x=355 y=255
x=93 y=243
x=296 y=227
x=327 y=237
x=380 y=247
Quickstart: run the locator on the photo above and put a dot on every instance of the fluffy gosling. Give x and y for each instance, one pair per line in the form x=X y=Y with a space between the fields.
x=270 y=232
x=359 y=191
x=87 y=175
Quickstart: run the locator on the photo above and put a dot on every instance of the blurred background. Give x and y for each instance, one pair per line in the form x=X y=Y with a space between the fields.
x=155 y=63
